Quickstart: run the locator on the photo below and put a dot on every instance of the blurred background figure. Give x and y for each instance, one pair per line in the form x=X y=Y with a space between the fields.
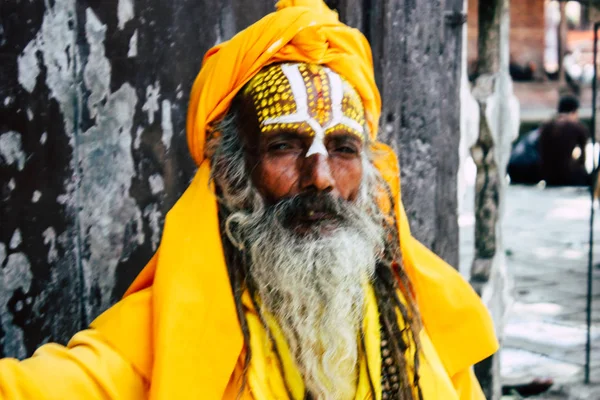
x=562 y=143
x=524 y=166
x=555 y=152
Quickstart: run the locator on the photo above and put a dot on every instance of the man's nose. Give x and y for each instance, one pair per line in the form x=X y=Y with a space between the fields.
x=316 y=174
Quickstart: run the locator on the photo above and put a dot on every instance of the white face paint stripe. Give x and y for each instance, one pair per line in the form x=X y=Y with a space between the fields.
x=337 y=96
x=299 y=91
x=294 y=77
x=349 y=122
x=292 y=73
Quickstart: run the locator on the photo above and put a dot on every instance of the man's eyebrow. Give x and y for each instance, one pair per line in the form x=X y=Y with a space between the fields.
x=285 y=135
x=344 y=136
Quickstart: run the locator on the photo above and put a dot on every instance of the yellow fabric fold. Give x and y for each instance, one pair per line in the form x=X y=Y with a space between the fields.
x=458 y=323
x=87 y=368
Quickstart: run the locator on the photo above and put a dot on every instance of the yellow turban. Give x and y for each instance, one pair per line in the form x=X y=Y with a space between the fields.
x=303 y=31
x=178 y=324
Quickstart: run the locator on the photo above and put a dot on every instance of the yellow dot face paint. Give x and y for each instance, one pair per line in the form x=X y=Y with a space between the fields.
x=309 y=97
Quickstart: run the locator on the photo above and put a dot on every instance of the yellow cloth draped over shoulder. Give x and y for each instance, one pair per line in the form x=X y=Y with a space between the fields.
x=176 y=334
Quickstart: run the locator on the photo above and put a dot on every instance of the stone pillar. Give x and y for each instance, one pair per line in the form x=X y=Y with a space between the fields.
x=562 y=44
x=527 y=32
x=416 y=52
x=499 y=122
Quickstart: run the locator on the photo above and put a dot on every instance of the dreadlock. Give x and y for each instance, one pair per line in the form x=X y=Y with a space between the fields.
x=230 y=172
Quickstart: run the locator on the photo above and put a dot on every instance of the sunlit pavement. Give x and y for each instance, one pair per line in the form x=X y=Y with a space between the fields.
x=546 y=236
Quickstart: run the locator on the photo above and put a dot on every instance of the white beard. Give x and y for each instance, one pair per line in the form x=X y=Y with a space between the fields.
x=313 y=285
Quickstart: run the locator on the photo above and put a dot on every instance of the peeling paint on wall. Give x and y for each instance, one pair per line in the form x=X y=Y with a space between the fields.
x=50 y=239
x=56 y=41
x=151 y=104
x=16 y=239
x=36 y=196
x=124 y=12
x=157 y=183
x=17 y=272
x=166 y=124
x=102 y=157
x=151 y=212
x=107 y=169
x=28 y=66
x=11 y=151
x=133 y=45
x=2 y=254
x=16 y=275
x=12 y=184
x=138 y=137
x=97 y=70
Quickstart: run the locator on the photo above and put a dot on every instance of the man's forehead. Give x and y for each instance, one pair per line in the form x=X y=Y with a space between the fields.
x=291 y=96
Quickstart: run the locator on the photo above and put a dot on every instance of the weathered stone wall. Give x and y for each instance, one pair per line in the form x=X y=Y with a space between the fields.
x=499 y=111
x=93 y=97
x=417 y=52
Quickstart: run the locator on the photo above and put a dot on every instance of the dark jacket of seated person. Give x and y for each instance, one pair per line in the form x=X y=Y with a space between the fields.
x=562 y=147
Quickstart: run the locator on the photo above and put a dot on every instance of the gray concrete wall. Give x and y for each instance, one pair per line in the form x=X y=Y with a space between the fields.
x=93 y=96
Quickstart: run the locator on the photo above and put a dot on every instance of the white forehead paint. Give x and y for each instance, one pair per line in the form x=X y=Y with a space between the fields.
x=298 y=87
x=294 y=77
x=337 y=96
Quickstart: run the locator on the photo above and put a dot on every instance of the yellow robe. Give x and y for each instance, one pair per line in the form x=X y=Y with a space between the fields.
x=179 y=338
x=176 y=334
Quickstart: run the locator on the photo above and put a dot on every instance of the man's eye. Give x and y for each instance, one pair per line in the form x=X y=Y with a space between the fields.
x=346 y=150
x=281 y=146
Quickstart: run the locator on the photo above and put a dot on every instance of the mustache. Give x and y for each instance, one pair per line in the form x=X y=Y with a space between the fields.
x=311 y=206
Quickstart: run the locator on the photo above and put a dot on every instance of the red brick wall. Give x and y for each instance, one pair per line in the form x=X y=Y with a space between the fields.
x=527 y=25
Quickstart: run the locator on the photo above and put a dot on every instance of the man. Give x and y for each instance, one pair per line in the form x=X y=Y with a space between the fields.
x=287 y=269
x=562 y=147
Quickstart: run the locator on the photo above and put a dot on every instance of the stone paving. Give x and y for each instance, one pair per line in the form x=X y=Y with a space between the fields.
x=546 y=236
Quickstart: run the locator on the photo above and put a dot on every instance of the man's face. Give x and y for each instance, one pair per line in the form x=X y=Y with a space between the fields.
x=304 y=131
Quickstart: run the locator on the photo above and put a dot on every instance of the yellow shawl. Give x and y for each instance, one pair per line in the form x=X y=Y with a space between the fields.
x=178 y=326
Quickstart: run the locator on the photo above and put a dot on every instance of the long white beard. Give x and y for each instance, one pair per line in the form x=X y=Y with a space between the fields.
x=313 y=285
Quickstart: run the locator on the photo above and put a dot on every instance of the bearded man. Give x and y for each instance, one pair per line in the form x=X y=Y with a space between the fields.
x=287 y=269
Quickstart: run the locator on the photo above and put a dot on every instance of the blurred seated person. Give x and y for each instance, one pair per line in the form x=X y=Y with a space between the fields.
x=562 y=146
x=524 y=166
